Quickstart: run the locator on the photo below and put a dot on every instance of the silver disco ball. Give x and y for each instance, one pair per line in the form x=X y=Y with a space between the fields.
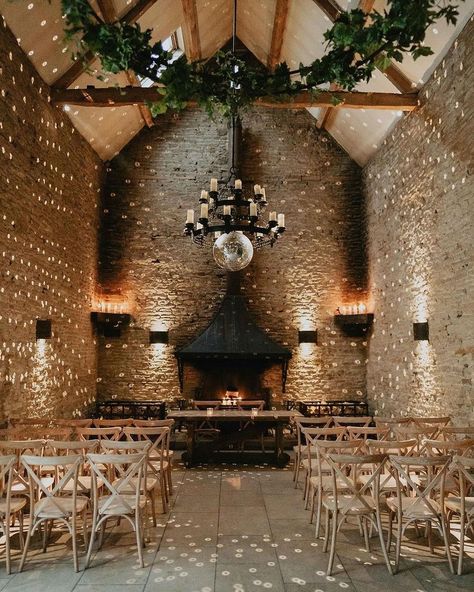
x=233 y=251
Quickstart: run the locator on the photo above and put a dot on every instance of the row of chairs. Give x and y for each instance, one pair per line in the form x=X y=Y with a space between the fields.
x=63 y=479
x=348 y=473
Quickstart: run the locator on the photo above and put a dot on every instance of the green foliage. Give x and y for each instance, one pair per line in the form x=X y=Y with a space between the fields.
x=356 y=45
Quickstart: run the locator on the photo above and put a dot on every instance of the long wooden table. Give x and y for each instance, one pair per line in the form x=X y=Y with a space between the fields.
x=247 y=423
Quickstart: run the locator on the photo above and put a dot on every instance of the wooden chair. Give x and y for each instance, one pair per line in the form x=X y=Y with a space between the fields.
x=10 y=507
x=258 y=404
x=462 y=469
x=122 y=497
x=161 y=423
x=423 y=422
x=416 y=433
x=365 y=433
x=203 y=405
x=74 y=447
x=72 y=423
x=322 y=480
x=158 y=439
x=112 y=423
x=392 y=423
x=30 y=421
x=355 y=420
x=112 y=433
x=419 y=502
x=310 y=464
x=20 y=485
x=388 y=483
x=458 y=432
x=359 y=499
x=306 y=422
x=49 y=504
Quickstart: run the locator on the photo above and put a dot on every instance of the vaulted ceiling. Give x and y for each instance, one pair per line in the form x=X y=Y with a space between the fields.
x=38 y=26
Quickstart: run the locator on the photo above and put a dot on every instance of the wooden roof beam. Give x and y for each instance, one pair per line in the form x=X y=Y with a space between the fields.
x=192 y=40
x=396 y=76
x=279 y=26
x=131 y=95
x=79 y=66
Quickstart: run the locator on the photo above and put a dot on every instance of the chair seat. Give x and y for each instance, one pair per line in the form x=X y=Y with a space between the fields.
x=59 y=507
x=327 y=483
x=120 y=505
x=16 y=504
x=131 y=486
x=350 y=504
x=454 y=503
x=413 y=507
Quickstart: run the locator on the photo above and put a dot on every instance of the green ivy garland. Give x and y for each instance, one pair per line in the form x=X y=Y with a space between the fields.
x=356 y=45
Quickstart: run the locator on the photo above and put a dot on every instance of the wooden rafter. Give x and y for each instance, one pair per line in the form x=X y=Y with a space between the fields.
x=79 y=66
x=366 y=5
x=130 y=95
x=279 y=25
x=107 y=9
x=192 y=41
x=396 y=76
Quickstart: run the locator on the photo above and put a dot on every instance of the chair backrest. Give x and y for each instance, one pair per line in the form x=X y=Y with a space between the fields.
x=67 y=469
x=346 y=420
x=345 y=470
x=462 y=467
x=66 y=447
x=199 y=405
x=392 y=422
x=112 y=423
x=31 y=421
x=129 y=473
x=72 y=423
x=416 y=433
x=364 y=433
x=311 y=435
x=453 y=433
x=422 y=491
x=22 y=446
x=154 y=423
x=449 y=447
x=441 y=422
x=53 y=433
x=8 y=464
x=158 y=440
x=122 y=447
x=99 y=433
x=397 y=447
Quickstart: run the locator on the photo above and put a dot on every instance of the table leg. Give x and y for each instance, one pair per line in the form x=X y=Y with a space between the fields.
x=281 y=457
x=188 y=456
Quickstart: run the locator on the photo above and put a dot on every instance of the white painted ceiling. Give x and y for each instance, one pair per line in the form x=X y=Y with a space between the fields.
x=38 y=26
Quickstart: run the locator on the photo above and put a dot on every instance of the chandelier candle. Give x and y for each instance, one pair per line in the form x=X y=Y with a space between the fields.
x=213 y=185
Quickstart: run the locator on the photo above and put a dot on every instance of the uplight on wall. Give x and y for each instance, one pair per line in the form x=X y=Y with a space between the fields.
x=43 y=329
x=421 y=331
x=161 y=336
x=305 y=336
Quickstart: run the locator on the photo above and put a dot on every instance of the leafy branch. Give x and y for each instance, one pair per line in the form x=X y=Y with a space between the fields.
x=356 y=45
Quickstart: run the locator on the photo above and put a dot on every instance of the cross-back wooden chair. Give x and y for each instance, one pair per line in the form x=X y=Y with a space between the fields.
x=20 y=484
x=305 y=422
x=203 y=405
x=310 y=463
x=49 y=504
x=440 y=422
x=462 y=469
x=72 y=423
x=354 y=420
x=121 y=496
x=414 y=432
x=359 y=499
x=258 y=404
x=388 y=483
x=158 y=466
x=365 y=433
x=457 y=432
x=161 y=423
x=10 y=507
x=74 y=447
x=112 y=423
x=109 y=433
x=322 y=481
x=419 y=501
x=392 y=423
x=29 y=421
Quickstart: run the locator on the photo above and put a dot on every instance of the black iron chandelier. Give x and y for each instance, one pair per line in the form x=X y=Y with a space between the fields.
x=231 y=217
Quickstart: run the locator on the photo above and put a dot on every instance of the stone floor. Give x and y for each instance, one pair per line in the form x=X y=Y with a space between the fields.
x=237 y=530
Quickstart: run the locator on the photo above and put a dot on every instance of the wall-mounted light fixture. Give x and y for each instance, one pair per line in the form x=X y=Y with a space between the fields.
x=159 y=336
x=308 y=336
x=421 y=331
x=43 y=329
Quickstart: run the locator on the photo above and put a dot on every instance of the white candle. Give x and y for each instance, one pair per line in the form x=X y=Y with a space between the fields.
x=190 y=217
x=264 y=194
x=226 y=210
x=272 y=217
x=257 y=189
x=281 y=220
x=253 y=209
x=204 y=210
x=204 y=195
x=213 y=184
x=238 y=183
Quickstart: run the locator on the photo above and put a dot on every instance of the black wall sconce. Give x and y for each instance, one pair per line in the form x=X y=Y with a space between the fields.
x=159 y=336
x=308 y=336
x=421 y=331
x=43 y=329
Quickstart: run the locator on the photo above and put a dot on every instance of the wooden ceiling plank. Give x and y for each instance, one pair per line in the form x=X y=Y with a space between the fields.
x=279 y=25
x=392 y=73
x=130 y=95
x=79 y=66
x=192 y=41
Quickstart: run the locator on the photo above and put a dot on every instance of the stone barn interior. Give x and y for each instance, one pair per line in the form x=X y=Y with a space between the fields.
x=273 y=394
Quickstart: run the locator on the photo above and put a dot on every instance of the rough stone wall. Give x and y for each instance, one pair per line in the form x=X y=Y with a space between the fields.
x=420 y=219
x=49 y=195
x=168 y=282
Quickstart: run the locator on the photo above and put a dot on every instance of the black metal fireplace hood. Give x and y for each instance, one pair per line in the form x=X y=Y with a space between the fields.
x=233 y=335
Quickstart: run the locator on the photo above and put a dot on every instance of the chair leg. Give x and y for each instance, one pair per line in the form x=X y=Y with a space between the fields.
x=398 y=544
x=170 y=480
x=6 y=529
x=139 y=535
x=163 y=495
x=333 y=543
x=152 y=505
x=84 y=527
x=429 y=536
x=25 y=550
x=74 y=543
x=382 y=542
x=21 y=532
x=461 y=543
x=319 y=506
x=390 y=529
x=91 y=541
x=446 y=543
x=366 y=535
x=326 y=532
